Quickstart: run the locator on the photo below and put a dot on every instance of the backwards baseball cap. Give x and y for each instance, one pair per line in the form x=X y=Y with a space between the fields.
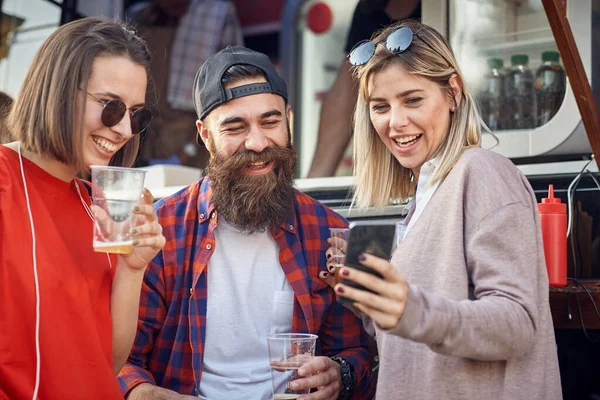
x=209 y=92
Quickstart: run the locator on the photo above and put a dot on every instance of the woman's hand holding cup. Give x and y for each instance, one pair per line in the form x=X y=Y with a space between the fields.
x=147 y=236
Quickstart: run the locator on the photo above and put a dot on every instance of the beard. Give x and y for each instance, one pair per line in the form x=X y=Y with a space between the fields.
x=253 y=203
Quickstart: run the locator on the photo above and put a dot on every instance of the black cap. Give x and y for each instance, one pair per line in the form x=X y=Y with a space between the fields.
x=209 y=92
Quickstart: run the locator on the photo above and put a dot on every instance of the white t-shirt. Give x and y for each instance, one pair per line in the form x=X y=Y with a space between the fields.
x=249 y=298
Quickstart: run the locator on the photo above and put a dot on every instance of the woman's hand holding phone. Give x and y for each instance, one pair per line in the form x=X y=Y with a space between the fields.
x=369 y=282
x=384 y=301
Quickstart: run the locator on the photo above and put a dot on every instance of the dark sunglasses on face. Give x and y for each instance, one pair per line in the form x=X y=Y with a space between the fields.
x=114 y=111
x=397 y=42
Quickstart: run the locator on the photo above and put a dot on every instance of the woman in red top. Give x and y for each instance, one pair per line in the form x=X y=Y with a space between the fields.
x=68 y=315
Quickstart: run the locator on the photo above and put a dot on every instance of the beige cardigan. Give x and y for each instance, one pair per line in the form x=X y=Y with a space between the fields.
x=477 y=323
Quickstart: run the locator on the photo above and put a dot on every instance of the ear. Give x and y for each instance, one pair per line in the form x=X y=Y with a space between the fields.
x=456 y=85
x=203 y=132
x=289 y=114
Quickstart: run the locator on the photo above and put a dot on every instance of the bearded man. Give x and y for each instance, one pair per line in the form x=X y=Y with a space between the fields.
x=243 y=255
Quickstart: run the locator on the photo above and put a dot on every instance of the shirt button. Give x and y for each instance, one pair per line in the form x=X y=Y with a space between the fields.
x=291 y=227
x=208 y=246
x=202 y=216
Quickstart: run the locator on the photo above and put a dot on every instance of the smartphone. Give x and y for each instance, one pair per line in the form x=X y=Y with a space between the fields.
x=372 y=237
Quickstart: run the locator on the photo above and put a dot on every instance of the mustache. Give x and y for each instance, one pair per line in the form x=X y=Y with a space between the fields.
x=243 y=158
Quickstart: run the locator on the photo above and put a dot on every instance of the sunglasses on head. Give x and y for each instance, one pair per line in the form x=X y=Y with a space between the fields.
x=397 y=42
x=114 y=111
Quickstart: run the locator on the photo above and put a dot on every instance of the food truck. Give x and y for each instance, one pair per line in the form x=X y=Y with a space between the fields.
x=506 y=41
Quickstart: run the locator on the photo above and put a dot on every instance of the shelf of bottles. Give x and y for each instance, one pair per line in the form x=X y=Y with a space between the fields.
x=518 y=97
x=512 y=63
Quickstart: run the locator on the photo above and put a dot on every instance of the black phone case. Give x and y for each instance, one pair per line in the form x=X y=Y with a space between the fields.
x=376 y=239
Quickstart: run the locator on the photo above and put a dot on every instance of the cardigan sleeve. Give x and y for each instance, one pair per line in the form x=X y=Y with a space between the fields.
x=500 y=321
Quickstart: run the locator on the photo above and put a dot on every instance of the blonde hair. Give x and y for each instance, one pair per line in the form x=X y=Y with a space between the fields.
x=379 y=176
x=44 y=115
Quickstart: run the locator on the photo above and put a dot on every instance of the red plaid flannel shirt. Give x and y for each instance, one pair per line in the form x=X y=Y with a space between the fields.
x=169 y=346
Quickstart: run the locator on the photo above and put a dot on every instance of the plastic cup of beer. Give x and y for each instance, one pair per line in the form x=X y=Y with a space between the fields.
x=115 y=193
x=339 y=240
x=287 y=353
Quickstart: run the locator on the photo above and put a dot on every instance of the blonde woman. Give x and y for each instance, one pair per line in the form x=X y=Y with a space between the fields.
x=462 y=310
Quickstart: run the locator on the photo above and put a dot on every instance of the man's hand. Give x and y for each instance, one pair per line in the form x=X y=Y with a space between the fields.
x=323 y=374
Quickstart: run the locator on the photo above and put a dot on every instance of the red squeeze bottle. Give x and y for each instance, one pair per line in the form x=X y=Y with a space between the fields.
x=553 y=218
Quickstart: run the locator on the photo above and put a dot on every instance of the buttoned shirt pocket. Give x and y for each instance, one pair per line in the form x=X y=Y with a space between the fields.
x=282 y=311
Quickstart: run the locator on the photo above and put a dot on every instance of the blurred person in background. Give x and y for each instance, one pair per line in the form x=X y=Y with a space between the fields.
x=181 y=35
x=335 y=124
x=5 y=105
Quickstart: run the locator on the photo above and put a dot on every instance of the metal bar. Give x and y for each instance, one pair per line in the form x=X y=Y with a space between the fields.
x=289 y=45
x=56 y=3
x=69 y=11
x=0 y=17
x=556 y=12
x=36 y=28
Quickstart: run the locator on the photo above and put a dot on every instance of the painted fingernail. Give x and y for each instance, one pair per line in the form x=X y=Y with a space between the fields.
x=362 y=257
x=133 y=231
x=137 y=208
x=328 y=256
x=324 y=274
x=345 y=272
x=340 y=289
x=330 y=268
x=135 y=242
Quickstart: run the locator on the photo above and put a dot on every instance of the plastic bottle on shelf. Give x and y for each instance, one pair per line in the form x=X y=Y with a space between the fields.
x=520 y=94
x=549 y=87
x=491 y=97
x=553 y=219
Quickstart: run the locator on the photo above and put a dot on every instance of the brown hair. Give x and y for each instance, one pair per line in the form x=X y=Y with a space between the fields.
x=379 y=176
x=44 y=115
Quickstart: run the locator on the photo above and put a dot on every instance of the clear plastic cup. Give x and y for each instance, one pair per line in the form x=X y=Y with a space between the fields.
x=339 y=240
x=287 y=353
x=115 y=192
